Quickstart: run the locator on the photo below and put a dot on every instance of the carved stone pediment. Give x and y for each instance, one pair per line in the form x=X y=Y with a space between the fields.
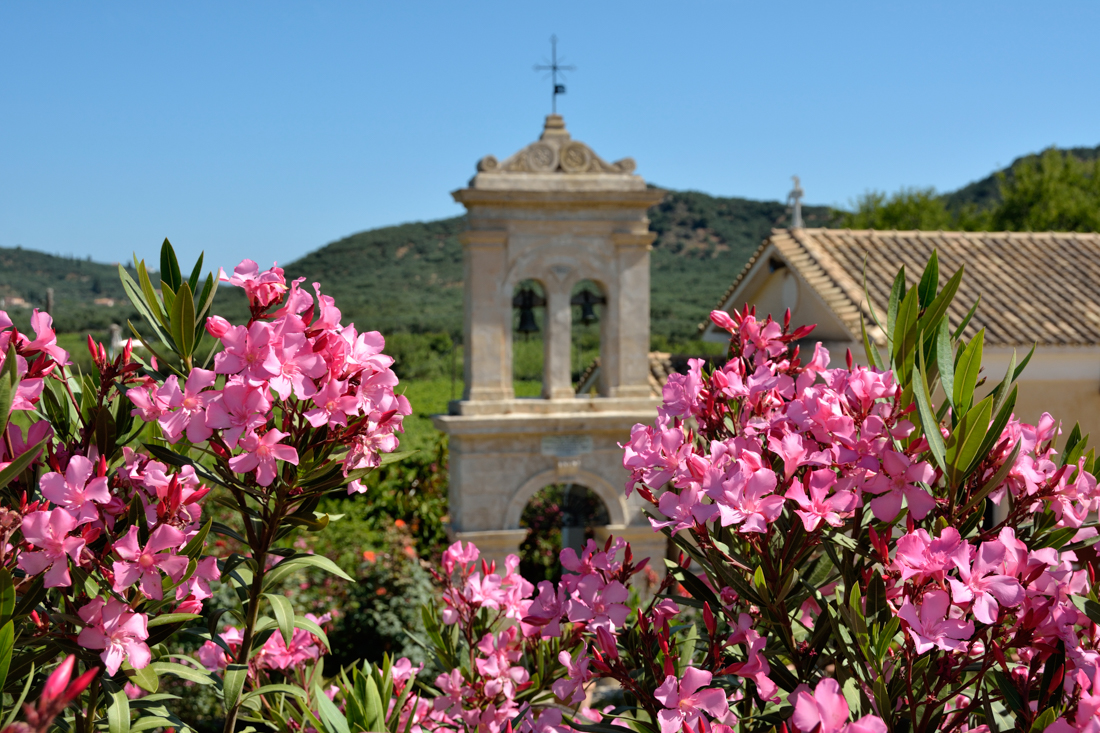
x=555 y=152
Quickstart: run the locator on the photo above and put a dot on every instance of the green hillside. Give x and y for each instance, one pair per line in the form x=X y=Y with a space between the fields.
x=986 y=193
x=26 y=276
x=408 y=278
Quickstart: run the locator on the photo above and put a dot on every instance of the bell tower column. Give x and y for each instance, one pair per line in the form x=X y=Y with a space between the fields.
x=487 y=357
x=557 y=382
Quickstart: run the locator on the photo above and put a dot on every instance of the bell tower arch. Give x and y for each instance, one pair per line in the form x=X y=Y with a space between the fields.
x=558 y=214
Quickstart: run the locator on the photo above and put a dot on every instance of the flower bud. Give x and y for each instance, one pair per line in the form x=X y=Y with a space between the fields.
x=217 y=326
x=59 y=678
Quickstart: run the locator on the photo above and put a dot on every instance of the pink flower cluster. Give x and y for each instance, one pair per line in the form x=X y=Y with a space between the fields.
x=275 y=654
x=298 y=358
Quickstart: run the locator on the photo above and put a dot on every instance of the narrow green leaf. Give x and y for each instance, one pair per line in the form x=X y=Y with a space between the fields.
x=992 y=483
x=233 y=683
x=171 y=618
x=169 y=266
x=284 y=615
x=945 y=361
x=966 y=373
x=196 y=273
x=183 y=320
x=277 y=688
x=928 y=421
x=155 y=304
x=330 y=714
x=965 y=440
x=929 y=281
x=905 y=337
x=897 y=292
x=18 y=705
x=937 y=310
x=966 y=319
x=20 y=464
x=145 y=678
x=7 y=597
x=873 y=356
x=182 y=671
x=375 y=713
x=9 y=382
x=118 y=714
x=7 y=644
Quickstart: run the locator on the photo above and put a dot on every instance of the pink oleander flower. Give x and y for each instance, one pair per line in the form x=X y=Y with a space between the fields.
x=121 y=634
x=49 y=531
x=456 y=554
x=683 y=509
x=825 y=711
x=546 y=611
x=930 y=627
x=299 y=366
x=150 y=402
x=747 y=500
x=897 y=480
x=981 y=583
x=262 y=288
x=76 y=490
x=919 y=555
x=596 y=604
x=570 y=689
x=238 y=407
x=186 y=408
x=45 y=339
x=685 y=702
x=144 y=564
x=796 y=452
x=333 y=405
x=820 y=505
x=248 y=352
x=197 y=586
x=262 y=452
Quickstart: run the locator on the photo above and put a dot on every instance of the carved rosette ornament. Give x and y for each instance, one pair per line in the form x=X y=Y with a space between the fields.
x=541 y=158
x=555 y=153
x=575 y=157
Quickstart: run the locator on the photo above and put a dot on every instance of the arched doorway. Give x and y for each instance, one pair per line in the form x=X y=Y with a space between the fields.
x=558 y=516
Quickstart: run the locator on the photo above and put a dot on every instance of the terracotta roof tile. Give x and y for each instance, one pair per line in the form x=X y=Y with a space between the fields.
x=1039 y=287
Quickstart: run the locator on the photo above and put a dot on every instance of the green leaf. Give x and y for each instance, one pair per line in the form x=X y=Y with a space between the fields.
x=904 y=338
x=1092 y=610
x=194 y=546
x=965 y=440
x=330 y=714
x=151 y=299
x=9 y=382
x=276 y=688
x=118 y=714
x=145 y=678
x=196 y=273
x=966 y=373
x=897 y=292
x=966 y=319
x=7 y=597
x=183 y=321
x=296 y=562
x=184 y=672
x=18 y=705
x=873 y=355
x=169 y=266
x=375 y=713
x=139 y=299
x=7 y=644
x=929 y=281
x=20 y=464
x=171 y=618
x=233 y=683
x=937 y=309
x=945 y=361
x=284 y=615
x=928 y=421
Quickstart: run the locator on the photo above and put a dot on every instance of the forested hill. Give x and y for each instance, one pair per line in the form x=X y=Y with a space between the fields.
x=409 y=277
x=986 y=193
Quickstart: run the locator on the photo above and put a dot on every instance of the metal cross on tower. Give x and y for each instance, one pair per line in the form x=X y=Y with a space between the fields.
x=555 y=68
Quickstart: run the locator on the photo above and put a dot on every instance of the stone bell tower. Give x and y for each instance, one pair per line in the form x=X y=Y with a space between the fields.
x=557 y=214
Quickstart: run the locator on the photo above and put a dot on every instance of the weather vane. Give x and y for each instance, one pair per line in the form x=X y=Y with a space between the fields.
x=555 y=68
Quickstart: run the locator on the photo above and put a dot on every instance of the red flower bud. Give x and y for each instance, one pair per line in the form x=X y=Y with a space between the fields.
x=59 y=678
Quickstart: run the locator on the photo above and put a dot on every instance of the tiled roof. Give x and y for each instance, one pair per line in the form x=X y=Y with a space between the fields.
x=1035 y=287
x=660 y=366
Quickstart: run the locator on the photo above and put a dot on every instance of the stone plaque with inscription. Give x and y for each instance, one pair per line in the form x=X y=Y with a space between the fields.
x=566 y=446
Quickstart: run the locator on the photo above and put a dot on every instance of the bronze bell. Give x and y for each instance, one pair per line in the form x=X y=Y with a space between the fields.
x=527 y=300
x=588 y=301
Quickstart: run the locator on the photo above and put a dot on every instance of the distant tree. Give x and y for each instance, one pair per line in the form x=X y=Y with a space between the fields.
x=909 y=208
x=1054 y=191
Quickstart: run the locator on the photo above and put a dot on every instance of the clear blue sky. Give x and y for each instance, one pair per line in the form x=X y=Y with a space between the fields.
x=267 y=129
